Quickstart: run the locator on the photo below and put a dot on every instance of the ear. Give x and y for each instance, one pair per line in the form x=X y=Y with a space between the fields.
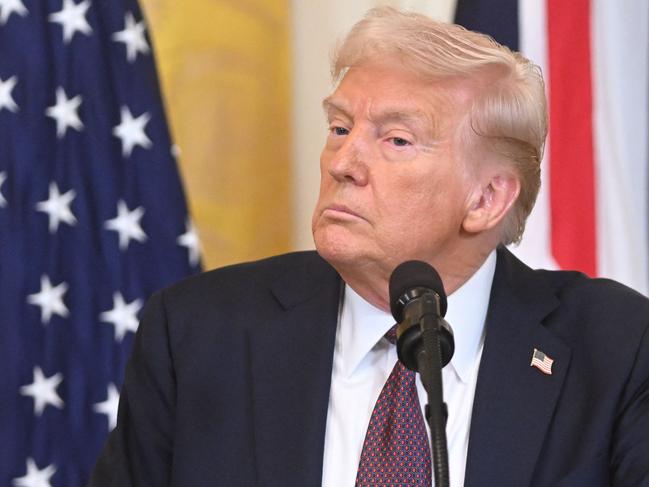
x=490 y=202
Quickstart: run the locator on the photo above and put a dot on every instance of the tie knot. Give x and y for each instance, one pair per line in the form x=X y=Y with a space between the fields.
x=391 y=335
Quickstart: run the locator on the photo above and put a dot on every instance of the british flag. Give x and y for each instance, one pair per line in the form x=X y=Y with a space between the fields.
x=593 y=210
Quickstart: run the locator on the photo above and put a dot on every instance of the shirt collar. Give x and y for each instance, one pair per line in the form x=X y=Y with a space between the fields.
x=362 y=325
x=467 y=312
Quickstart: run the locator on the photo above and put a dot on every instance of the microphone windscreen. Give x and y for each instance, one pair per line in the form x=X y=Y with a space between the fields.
x=413 y=274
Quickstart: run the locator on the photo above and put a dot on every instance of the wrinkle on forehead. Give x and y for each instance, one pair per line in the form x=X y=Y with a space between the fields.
x=383 y=115
x=434 y=105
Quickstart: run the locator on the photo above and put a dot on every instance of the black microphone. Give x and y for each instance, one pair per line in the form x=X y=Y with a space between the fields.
x=425 y=344
x=416 y=290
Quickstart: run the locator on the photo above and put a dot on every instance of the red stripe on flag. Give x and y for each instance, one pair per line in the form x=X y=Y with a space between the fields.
x=572 y=172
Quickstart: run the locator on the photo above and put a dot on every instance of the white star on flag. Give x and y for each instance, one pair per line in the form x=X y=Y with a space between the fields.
x=6 y=87
x=65 y=112
x=123 y=316
x=34 y=476
x=190 y=240
x=72 y=18
x=131 y=131
x=50 y=299
x=7 y=7
x=133 y=37
x=127 y=224
x=57 y=207
x=109 y=406
x=43 y=390
x=3 y=178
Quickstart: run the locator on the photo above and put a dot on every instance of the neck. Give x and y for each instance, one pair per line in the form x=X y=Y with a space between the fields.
x=460 y=269
x=371 y=286
x=454 y=269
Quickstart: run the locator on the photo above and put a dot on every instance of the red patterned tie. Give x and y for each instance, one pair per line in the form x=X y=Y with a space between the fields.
x=396 y=450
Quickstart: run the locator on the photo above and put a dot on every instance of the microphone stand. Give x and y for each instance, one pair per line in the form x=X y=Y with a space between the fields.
x=429 y=362
x=425 y=344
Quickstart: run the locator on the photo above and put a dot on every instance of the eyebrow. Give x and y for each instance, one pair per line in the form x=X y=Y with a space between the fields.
x=414 y=118
x=330 y=106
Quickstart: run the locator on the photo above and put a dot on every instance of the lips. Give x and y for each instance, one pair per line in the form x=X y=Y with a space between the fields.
x=341 y=211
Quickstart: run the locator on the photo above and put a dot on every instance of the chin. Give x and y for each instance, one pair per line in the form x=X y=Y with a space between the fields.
x=335 y=248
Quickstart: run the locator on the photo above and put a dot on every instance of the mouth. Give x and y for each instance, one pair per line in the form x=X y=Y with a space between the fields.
x=340 y=212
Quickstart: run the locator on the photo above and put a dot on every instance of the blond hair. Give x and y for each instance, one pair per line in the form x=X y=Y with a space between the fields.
x=508 y=113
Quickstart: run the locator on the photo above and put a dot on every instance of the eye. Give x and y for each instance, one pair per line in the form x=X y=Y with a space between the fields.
x=339 y=130
x=400 y=142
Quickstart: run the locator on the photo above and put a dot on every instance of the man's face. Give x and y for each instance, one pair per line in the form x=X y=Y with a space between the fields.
x=393 y=182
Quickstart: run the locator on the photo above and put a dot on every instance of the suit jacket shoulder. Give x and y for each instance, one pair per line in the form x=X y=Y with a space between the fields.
x=285 y=275
x=228 y=380
x=578 y=424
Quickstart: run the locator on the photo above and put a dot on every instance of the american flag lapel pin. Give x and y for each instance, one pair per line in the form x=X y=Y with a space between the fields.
x=542 y=362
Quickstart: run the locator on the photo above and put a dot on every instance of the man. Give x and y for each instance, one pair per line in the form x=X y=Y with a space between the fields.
x=268 y=373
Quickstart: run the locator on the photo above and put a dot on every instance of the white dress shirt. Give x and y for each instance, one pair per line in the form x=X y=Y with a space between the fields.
x=363 y=360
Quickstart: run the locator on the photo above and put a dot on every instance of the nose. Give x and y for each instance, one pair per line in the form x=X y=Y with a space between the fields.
x=349 y=163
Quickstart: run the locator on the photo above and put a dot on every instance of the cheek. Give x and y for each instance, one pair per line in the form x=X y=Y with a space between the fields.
x=326 y=178
x=422 y=203
x=411 y=195
x=325 y=197
x=326 y=156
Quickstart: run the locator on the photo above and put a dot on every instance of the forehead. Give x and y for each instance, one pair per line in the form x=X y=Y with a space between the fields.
x=384 y=92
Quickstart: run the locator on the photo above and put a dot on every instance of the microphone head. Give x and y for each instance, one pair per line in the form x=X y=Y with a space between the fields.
x=408 y=276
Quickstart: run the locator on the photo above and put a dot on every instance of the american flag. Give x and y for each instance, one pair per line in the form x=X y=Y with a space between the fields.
x=92 y=220
x=542 y=362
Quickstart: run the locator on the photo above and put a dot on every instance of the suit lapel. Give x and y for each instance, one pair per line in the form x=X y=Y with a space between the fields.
x=514 y=402
x=291 y=361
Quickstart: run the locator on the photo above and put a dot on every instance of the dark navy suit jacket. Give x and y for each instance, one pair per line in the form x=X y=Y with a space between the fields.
x=229 y=379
